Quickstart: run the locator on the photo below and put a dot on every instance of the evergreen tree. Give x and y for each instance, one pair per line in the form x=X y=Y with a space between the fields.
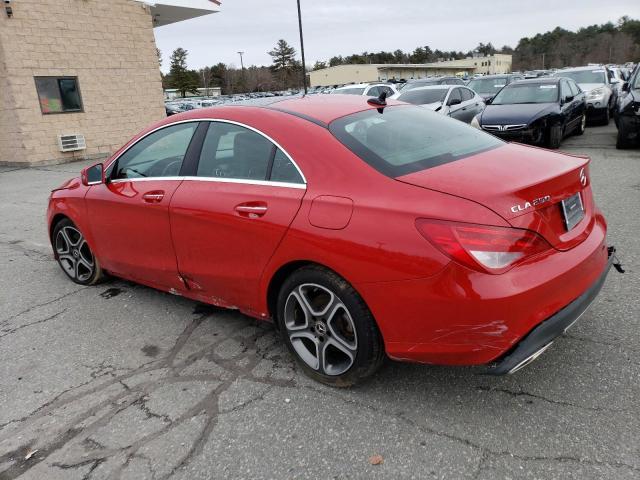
x=179 y=76
x=284 y=61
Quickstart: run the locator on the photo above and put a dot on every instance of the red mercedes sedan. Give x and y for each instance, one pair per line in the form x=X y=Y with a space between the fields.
x=361 y=229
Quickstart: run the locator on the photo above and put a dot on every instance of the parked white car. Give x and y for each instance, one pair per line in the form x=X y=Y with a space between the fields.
x=455 y=101
x=368 y=89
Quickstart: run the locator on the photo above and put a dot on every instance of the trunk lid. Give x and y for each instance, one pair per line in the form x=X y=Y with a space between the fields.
x=524 y=185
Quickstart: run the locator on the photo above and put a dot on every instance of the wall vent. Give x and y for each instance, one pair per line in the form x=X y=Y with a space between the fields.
x=71 y=143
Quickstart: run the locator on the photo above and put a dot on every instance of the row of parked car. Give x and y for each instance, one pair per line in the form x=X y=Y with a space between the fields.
x=542 y=109
x=173 y=107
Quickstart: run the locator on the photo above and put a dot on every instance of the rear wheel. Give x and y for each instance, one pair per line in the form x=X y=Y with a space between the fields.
x=328 y=327
x=74 y=254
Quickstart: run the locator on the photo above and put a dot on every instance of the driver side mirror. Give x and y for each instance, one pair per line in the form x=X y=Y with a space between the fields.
x=454 y=101
x=93 y=175
x=568 y=98
x=625 y=87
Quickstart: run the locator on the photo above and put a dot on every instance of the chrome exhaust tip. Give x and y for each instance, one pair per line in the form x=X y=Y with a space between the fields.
x=529 y=359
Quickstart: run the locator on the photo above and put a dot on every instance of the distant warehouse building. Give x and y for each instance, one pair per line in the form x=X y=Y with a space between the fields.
x=380 y=72
x=57 y=60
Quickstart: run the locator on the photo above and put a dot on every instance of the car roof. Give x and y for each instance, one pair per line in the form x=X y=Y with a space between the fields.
x=353 y=85
x=495 y=75
x=574 y=69
x=432 y=87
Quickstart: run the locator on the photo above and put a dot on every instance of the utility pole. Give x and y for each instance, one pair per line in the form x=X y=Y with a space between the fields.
x=304 y=67
x=242 y=70
x=543 y=61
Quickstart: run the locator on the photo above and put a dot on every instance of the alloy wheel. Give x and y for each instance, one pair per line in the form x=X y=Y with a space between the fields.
x=321 y=329
x=74 y=254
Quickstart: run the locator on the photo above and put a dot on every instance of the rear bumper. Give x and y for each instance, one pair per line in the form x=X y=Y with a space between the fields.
x=544 y=334
x=464 y=317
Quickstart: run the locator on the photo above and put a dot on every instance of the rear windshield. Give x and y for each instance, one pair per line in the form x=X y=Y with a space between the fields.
x=423 y=97
x=527 y=93
x=407 y=139
x=349 y=91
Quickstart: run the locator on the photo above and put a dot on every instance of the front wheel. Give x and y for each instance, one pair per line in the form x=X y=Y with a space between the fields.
x=74 y=254
x=583 y=125
x=328 y=327
x=621 y=140
x=554 y=136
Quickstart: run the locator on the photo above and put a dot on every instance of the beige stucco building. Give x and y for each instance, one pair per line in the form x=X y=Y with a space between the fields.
x=357 y=73
x=61 y=61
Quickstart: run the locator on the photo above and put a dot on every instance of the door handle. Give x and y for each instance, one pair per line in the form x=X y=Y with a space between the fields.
x=154 y=196
x=251 y=209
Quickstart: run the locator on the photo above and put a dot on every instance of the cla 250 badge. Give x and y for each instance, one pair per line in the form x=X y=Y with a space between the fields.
x=532 y=203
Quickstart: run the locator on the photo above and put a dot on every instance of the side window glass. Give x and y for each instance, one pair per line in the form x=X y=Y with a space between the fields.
x=284 y=170
x=466 y=94
x=575 y=90
x=232 y=151
x=159 y=154
x=455 y=94
x=374 y=92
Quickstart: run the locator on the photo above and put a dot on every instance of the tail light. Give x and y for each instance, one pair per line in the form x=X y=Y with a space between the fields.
x=482 y=247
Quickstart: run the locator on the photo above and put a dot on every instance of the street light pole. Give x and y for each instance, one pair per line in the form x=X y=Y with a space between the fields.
x=242 y=71
x=304 y=67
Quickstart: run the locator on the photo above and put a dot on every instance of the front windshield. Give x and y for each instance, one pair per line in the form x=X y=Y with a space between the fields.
x=404 y=139
x=487 y=85
x=584 y=76
x=527 y=93
x=636 y=82
x=349 y=91
x=423 y=97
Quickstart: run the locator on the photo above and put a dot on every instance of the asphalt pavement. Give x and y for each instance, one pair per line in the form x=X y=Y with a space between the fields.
x=122 y=381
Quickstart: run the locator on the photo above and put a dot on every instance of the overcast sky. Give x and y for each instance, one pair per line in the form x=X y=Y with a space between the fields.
x=342 y=27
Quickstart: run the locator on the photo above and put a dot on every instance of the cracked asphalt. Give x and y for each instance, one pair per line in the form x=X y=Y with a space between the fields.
x=121 y=381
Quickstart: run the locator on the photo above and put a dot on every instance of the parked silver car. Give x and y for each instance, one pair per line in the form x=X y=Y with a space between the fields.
x=600 y=86
x=454 y=101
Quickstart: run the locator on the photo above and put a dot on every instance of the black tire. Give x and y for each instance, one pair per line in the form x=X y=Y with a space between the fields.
x=347 y=323
x=582 y=125
x=621 y=140
x=606 y=117
x=554 y=136
x=74 y=254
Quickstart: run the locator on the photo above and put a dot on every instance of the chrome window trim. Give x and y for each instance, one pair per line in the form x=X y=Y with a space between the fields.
x=221 y=120
x=265 y=183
